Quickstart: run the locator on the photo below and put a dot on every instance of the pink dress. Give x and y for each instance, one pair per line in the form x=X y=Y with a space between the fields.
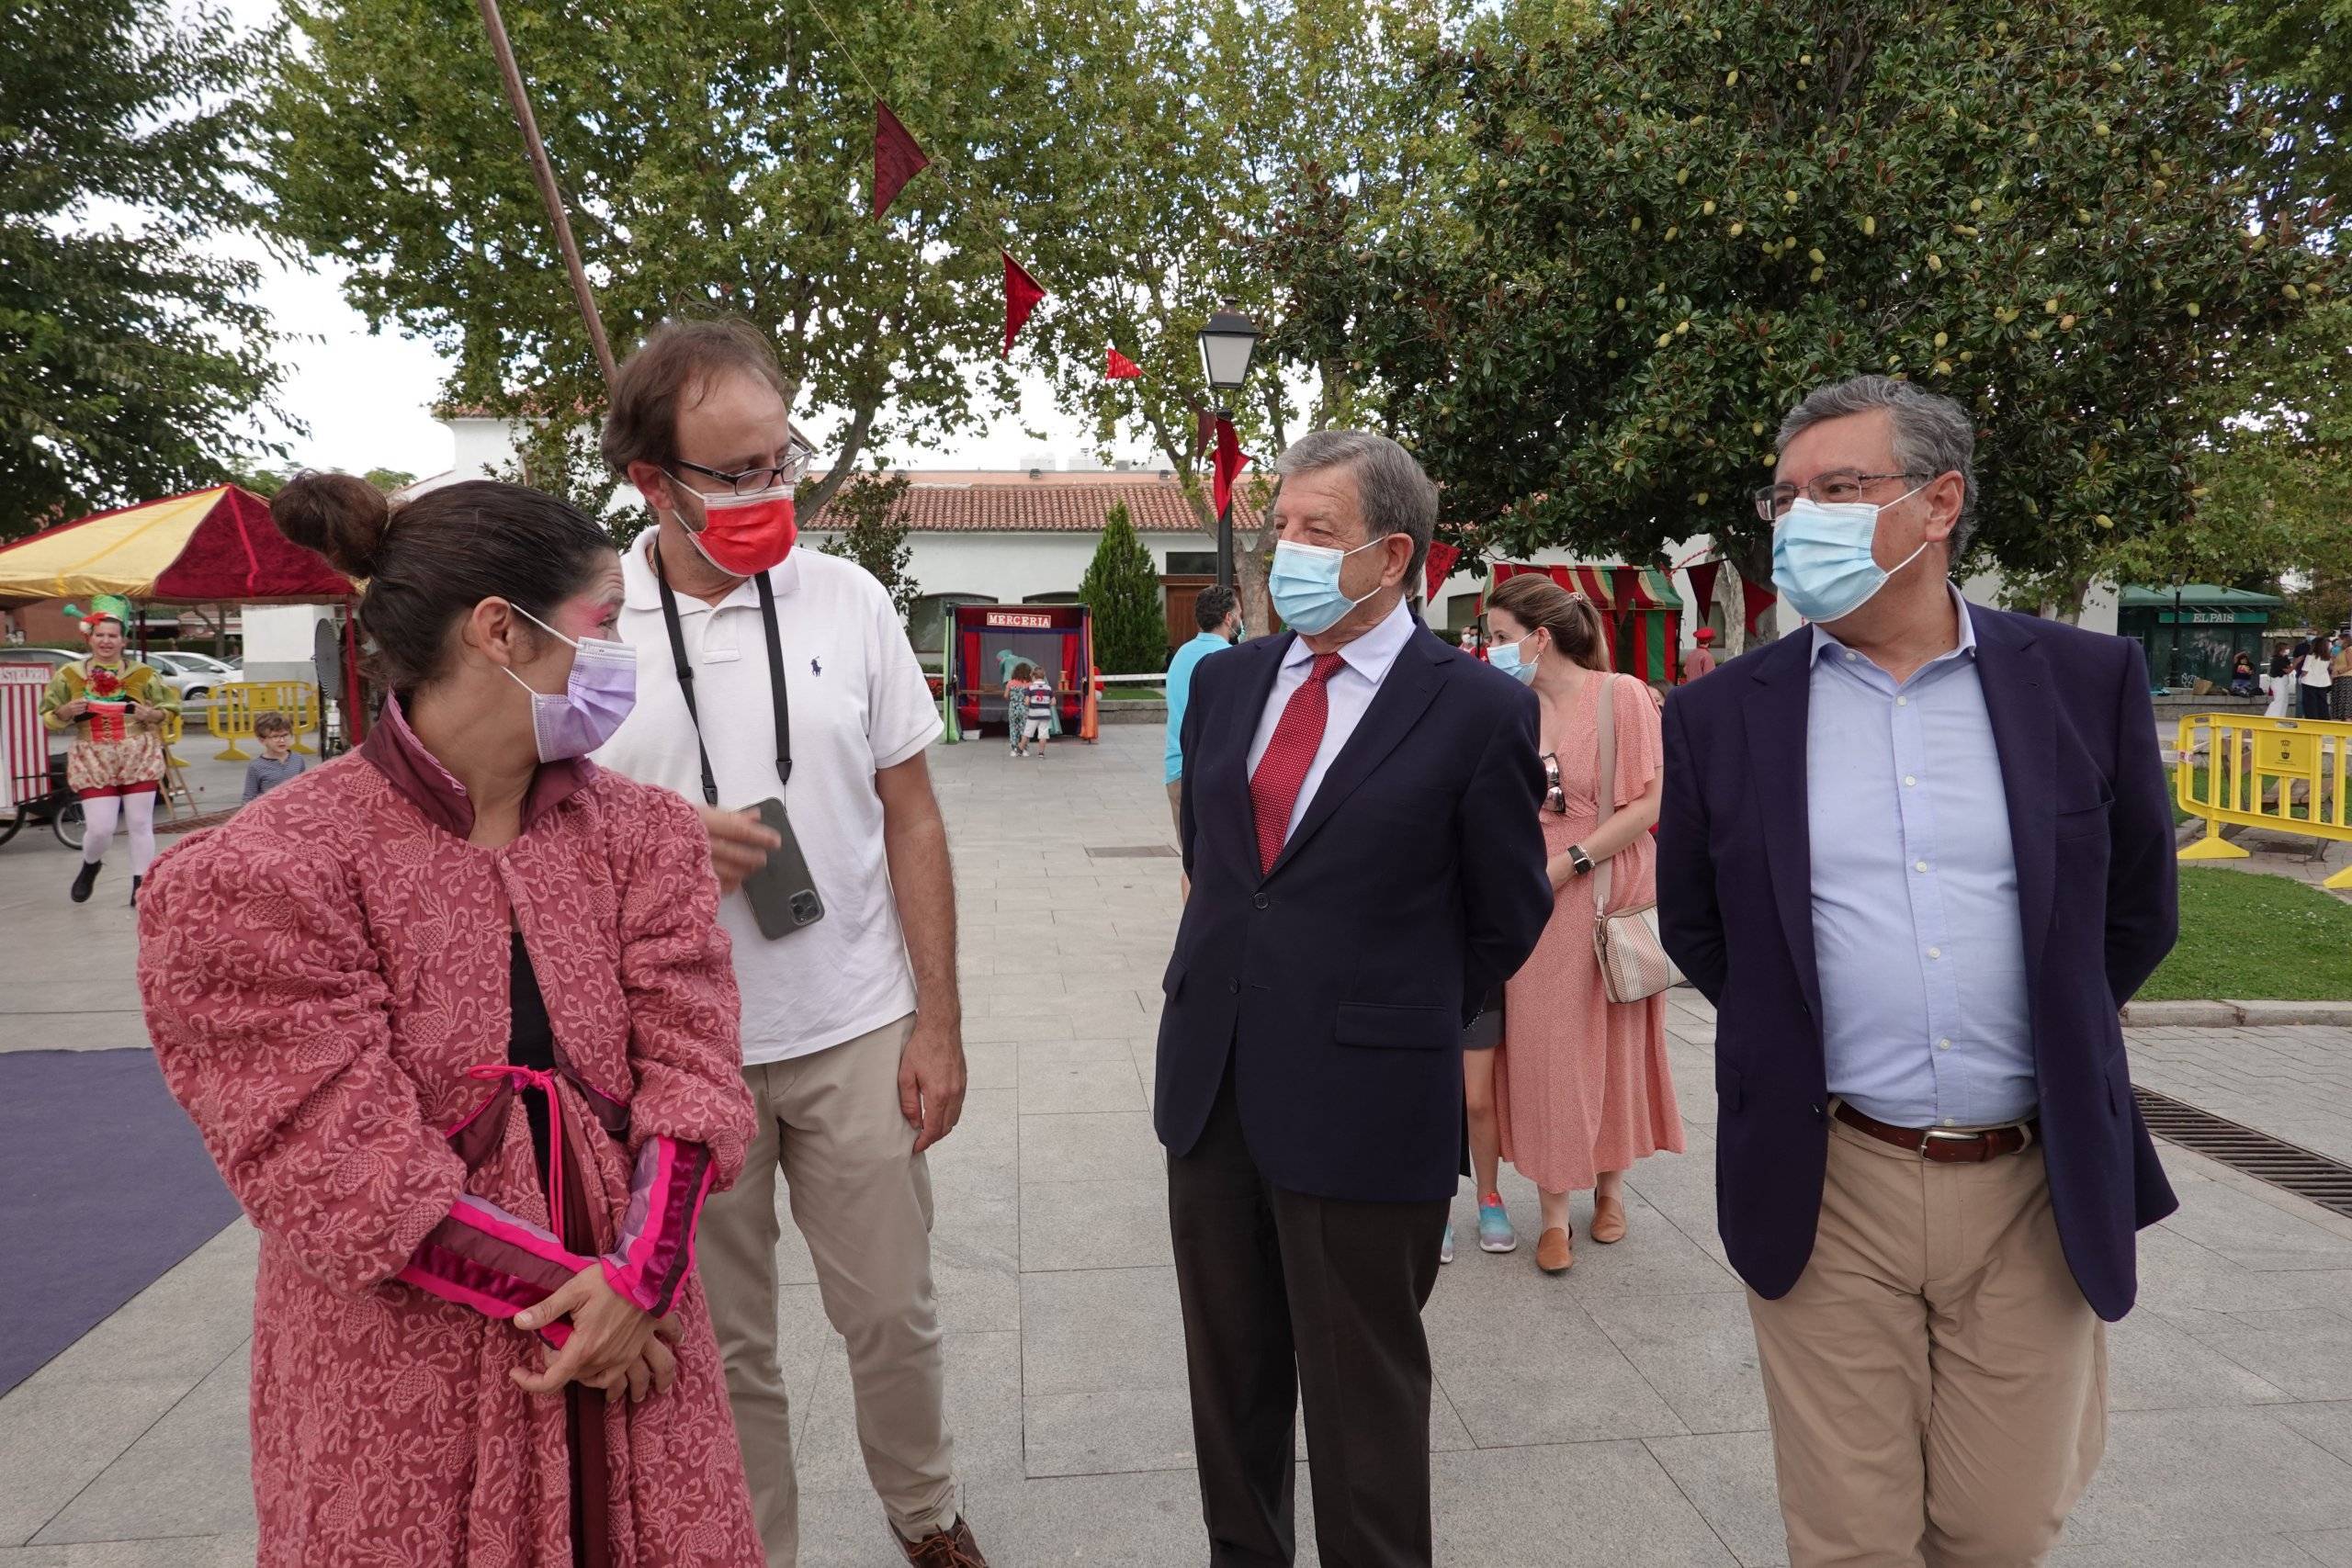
x=1581 y=1084
x=326 y=980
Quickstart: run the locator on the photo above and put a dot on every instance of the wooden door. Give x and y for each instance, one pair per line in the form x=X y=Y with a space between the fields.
x=1183 y=593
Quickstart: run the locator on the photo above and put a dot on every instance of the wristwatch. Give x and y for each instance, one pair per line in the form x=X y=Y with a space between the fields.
x=1581 y=861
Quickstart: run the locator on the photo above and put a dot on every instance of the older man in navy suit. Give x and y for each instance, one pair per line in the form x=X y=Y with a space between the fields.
x=1359 y=820
x=1919 y=854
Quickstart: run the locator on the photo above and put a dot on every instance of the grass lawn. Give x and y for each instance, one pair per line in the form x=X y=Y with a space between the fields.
x=1134 y=694
x=2254 y=938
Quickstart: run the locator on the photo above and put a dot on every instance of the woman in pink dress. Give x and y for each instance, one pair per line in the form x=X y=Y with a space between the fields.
x=456 y=1018
x=1581 y=1085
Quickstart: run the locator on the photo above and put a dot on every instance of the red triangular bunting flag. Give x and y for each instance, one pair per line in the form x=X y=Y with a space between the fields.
x=1121 y=369
x=1703 y=589
x=1021 y=297
x=1758 y=601
x=1230 y=461
x=897 y=158
x=1203 y=431
x=1440 y=565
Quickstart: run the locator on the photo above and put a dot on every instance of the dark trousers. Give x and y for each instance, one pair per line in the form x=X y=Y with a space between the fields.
x=1287 y=1295
x=2315 y=702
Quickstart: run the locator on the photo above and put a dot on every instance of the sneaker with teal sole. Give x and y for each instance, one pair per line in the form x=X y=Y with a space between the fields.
x=1494 y=1233
x=1445 y=1247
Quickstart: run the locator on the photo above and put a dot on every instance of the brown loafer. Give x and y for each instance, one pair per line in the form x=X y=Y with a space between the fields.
x=950 y=1547
x=1608 y=1221
x=1552 y=1251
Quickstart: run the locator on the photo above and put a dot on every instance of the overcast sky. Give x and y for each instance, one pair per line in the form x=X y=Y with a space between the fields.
x=366 y=397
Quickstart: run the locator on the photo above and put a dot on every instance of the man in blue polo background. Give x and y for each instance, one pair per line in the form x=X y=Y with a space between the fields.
x=1219 y=614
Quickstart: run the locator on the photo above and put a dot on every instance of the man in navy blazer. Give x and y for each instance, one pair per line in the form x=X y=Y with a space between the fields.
x=1359 y=824
x=1918 y=855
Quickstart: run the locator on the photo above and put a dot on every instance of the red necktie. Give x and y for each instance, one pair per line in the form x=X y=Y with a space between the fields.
x=1282 y=772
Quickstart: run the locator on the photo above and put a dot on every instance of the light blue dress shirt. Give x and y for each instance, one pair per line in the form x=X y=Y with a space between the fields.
x=1364 y=665
x=1916 y=930
x=1180 y=691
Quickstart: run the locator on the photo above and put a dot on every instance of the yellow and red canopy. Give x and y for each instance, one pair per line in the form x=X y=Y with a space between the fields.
x=214 y=545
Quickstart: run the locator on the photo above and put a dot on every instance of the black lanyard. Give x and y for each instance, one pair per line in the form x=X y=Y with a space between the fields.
x=686 y=673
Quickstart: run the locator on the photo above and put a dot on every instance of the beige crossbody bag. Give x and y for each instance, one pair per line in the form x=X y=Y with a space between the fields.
x=1633 y=966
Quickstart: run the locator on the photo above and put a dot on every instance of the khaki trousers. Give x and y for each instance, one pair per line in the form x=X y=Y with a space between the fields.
x=1937 y=1384
x=861 y=1197
x=1176 y=803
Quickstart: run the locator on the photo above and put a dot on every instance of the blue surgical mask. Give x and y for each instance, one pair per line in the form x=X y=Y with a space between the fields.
x=1504 y=656
x=1305 y=584
x=1821 y=559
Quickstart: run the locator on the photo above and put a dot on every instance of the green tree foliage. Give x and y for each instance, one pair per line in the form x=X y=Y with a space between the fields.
x=716 y=156
x=560 y=457
x=2297 y=64
x=1122 y=589
x=132 y=356
x=1677 y=223
x=872 y=533
x=1177 y=128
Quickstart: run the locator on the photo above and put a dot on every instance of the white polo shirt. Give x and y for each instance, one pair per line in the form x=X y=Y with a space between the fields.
x=859 y=703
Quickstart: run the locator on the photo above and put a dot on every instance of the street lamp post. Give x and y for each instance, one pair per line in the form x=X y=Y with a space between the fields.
x=1226 y=343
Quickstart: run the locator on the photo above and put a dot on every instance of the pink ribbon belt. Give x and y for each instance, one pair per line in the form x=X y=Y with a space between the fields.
x=521 y=1078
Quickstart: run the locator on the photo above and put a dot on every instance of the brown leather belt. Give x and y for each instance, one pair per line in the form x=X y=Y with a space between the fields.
x=1940 y=1144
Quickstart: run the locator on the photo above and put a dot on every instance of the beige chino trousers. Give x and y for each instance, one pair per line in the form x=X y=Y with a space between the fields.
x=1937 y=1384
x=861 y=1198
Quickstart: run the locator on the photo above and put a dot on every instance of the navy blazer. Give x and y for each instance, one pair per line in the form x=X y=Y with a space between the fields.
x=1337 y=984
x=2090 y=816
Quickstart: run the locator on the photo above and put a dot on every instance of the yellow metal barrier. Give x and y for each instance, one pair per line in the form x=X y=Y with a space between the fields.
x=2287 y=775
x=236 y=704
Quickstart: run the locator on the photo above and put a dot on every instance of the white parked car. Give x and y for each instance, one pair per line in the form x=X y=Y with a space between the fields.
x=194 y=675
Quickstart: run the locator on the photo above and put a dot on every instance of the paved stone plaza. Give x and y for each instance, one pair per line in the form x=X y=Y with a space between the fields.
x=1613 y=1417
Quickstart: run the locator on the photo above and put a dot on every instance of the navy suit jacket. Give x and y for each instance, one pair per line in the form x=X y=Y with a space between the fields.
x=2090 y=816
x=1337 y=985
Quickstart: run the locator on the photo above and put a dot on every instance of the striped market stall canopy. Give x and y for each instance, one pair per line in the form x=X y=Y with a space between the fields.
x=214 y=545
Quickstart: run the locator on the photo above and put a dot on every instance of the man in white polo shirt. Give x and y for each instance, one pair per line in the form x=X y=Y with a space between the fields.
x=852 y=1034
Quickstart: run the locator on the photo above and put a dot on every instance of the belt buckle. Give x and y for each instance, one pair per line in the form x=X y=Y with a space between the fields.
x=1939 y=1135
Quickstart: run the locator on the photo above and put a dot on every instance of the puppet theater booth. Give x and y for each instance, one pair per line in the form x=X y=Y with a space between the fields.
x=1642 y=612
x=986 y=641
x=209 y=546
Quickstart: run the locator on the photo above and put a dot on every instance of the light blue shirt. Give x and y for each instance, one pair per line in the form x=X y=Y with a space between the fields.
x=1180 y=691
x=1916 y=930
x=1364 y=664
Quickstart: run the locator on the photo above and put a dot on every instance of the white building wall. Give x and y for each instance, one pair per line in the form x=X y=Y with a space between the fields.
x=280 y=641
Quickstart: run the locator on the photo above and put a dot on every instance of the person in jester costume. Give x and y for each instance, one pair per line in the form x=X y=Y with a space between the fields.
x=118 y=708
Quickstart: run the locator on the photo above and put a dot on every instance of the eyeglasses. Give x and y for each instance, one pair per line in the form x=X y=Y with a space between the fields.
x=1839 y=487
x=789 y=470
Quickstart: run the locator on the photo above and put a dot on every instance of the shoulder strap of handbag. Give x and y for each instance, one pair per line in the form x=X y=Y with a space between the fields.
x=776 y=692
x=1605 y=783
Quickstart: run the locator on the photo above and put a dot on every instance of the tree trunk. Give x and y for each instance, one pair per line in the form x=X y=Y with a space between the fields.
x=1752 y=560
x=1250 y=565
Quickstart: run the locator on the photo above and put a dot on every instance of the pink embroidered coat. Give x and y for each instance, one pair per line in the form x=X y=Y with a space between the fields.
x=327 y=984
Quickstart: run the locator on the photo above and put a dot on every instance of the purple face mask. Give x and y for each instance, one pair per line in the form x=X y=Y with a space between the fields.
x=594 y=700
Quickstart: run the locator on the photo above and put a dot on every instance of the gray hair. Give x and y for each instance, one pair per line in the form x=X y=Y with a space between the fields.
x=1392 y=493
x=1933 y=434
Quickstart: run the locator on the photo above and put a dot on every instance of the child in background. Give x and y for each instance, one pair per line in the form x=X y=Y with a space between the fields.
x=278 y=761
x=1016 y=700
x=1040 y=711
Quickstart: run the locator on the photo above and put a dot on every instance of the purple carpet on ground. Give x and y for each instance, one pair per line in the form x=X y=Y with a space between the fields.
x=104 y=1186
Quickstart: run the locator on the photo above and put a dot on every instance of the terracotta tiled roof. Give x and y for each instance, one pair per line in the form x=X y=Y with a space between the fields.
x=1157 y=506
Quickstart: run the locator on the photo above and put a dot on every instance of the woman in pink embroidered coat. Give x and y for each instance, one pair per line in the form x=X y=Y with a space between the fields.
x=456 y=1018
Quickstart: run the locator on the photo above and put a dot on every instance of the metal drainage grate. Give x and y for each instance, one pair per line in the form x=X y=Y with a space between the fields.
x=2290 y=1167
x=1132 y=852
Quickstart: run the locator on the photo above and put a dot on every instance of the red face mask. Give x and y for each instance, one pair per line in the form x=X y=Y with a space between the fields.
x=746 y=535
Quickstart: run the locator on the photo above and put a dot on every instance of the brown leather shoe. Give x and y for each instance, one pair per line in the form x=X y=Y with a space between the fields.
x=950 y=1547
x=1552 y=1252
x=1608 y=1221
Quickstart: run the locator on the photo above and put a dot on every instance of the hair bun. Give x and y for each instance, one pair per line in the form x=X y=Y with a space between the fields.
x=341 y=516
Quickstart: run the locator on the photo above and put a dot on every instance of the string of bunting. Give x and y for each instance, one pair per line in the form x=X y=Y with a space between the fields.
x=899 y=158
